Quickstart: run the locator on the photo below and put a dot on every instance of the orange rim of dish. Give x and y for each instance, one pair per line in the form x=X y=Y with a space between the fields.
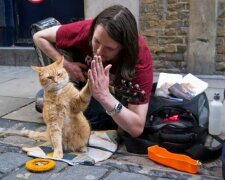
x=40 y=165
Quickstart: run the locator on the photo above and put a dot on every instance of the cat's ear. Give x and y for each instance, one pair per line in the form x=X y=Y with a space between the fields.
x=60 y=60
x=36 y=68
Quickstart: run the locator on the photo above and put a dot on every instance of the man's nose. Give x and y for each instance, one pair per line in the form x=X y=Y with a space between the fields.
x=100 y=50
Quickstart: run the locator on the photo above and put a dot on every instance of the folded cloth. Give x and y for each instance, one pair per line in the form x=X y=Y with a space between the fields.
x=101 y=146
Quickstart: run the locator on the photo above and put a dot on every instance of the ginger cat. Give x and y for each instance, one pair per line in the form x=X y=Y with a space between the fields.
x=67 y=127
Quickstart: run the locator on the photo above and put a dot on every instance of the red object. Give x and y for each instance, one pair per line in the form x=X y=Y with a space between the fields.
x=76 y=35
x=35 y=1
x=173 y=118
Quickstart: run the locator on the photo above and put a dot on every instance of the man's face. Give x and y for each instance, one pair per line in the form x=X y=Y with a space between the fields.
x=103 y=45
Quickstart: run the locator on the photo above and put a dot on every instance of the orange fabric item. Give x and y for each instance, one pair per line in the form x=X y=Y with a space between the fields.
x=177 y=161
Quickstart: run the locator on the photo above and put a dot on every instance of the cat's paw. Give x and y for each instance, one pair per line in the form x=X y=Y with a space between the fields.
x=83 y=149
x=57 y=154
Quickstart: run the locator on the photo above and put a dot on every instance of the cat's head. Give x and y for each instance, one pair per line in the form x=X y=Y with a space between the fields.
x=52 y=77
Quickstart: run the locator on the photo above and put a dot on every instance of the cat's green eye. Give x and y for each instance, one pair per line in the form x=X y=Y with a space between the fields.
x=59 y=74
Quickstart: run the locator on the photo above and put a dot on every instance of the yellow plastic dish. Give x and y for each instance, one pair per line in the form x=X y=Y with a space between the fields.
x=40 y=165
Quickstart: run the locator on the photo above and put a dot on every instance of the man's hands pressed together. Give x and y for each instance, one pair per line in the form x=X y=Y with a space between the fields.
x=99 y=80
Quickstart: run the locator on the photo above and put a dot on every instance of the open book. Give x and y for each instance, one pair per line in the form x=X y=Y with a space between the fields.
x=165 y=81
x=174 y=85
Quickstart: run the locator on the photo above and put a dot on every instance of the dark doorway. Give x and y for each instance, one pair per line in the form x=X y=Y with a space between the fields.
x=27 y=13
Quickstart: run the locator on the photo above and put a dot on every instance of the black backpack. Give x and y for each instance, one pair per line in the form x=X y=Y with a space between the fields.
x=180 y=127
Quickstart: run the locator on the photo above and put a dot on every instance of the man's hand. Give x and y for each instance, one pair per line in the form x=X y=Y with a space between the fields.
x=99 y=79
x=77 y=71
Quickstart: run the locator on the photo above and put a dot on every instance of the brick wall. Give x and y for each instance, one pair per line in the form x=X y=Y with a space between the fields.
x=220 y=49
x=165 y=25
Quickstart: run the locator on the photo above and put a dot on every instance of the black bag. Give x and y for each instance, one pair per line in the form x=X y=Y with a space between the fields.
x=180 y=127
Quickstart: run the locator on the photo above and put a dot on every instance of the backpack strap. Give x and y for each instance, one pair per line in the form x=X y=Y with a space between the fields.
x=136 y=145
x=223 y=158
x=206 y=153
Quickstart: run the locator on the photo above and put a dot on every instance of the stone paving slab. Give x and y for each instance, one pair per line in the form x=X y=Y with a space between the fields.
x=140 y=164
x=14 y=72
x=114 y=168
x=82 y=172
x=20 y=141
x=9 y=148
x=7 y=124
x=9 y=104
x=18 y=82
x=10 y=130
x=126 y=175
x=24 y=88
x=119 y=162
x=10 y=161
x=22 y=173
x=26 y=113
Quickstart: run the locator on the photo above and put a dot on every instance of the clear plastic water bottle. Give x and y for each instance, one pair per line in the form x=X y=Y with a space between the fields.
x=215 y=115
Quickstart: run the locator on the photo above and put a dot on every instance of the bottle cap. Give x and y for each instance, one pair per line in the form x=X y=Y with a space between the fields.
x=217 y=96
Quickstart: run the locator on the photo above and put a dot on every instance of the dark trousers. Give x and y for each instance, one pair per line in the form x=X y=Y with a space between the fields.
x=97 y=116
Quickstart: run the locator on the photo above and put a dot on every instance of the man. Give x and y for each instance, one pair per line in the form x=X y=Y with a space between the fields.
x=112 y=51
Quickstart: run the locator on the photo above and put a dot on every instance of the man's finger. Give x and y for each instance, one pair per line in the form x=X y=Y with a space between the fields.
x=107 y=69
x=90 y=77
x=100 y=65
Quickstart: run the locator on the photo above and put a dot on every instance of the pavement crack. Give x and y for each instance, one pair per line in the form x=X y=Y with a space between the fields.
x=106 y=174
x=27 y=104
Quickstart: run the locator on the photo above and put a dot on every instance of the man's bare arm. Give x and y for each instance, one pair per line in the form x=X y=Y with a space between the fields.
x=45 y=40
